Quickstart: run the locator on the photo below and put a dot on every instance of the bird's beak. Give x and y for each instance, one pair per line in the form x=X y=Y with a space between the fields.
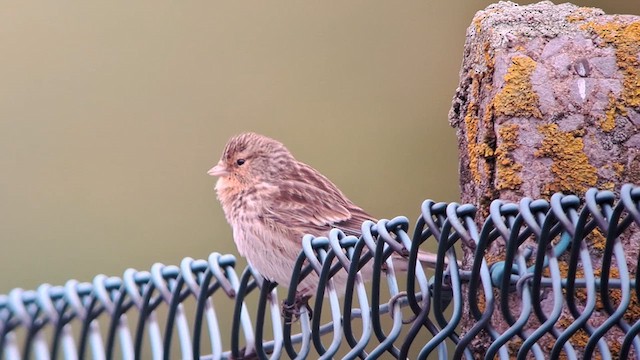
x=218 y=170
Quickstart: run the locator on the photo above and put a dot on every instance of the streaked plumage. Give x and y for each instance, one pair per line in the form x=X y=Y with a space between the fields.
x=271 y=201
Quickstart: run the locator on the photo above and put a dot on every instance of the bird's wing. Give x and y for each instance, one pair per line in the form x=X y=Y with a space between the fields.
x=311 y=209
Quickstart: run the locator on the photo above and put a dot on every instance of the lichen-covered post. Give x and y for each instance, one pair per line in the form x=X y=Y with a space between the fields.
x=548 y=100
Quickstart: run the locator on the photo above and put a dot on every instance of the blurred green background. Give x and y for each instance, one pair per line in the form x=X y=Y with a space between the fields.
x=111 y=113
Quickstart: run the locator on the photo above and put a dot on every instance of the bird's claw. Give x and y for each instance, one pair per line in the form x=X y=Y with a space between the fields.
x=243 y=356
x=291 y=312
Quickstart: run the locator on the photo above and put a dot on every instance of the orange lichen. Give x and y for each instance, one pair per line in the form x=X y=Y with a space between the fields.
x=614 y=109
x=580 y=338
x=633 y=310
x=625 y=38
x=618 y=168
x=581 y=14
x=481 y=301
x=476 y=148
x=514 y=345
x=517 y=98
x=471 y=125
x=613 y=172
x=507 y=170
x=608 y=185
x=571 y=168
x=477 y=120
x=563 y=266
x=609 y=122
x=632 y=313
x=576 y=18
x=485 y=150
x=492 y=259
x=596 y=240
x=489 y=60
x=477 y=22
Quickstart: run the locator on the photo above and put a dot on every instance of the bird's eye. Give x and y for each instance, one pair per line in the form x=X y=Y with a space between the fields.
x=240 y=161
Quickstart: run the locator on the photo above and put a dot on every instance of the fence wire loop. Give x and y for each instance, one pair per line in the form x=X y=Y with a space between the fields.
x=556 y=276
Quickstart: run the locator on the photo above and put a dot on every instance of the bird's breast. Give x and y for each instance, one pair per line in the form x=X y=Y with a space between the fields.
x=246 y=204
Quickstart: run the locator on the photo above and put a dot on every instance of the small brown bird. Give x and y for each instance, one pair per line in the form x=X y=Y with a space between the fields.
x=271 y=201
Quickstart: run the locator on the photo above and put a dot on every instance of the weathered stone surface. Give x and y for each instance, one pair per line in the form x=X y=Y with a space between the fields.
x=546 y=73
x=548 y=100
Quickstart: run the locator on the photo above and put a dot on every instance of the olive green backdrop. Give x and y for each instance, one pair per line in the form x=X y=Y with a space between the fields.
x=111 y=113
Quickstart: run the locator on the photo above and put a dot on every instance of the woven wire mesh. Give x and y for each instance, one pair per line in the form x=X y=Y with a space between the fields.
x=421 y=315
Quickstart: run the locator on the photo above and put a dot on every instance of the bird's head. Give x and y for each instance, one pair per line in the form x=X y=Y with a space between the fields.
x=249 y=159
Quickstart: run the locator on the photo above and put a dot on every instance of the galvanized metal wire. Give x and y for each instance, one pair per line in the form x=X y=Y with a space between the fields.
x=421 y=315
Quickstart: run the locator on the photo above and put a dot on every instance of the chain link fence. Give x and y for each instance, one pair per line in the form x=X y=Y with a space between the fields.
x=584 y=268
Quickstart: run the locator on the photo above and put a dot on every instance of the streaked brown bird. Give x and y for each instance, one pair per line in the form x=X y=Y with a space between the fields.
x=271 y=200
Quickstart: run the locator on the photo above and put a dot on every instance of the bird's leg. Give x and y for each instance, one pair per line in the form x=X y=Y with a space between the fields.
x=243 y=356
x=291 y=312
x=384 y=267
